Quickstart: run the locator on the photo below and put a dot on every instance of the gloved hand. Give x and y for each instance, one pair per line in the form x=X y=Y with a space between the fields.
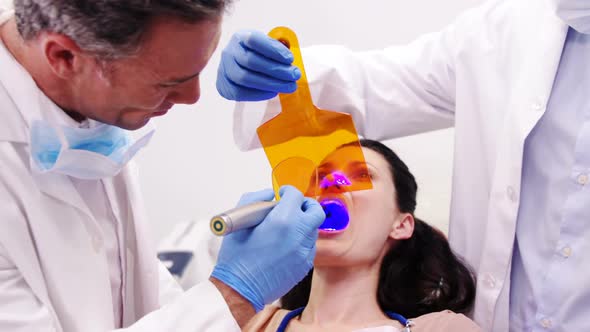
x=264 y=262
x=255 y=67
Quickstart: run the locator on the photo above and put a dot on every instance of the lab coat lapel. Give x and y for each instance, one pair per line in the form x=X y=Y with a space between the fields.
x=70 y=243
x=541 y=48
x=71 y=257
x=540 y=51
x=141 y=275
x=60 y=187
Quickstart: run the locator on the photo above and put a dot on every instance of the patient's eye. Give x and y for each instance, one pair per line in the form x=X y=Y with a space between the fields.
x=362 y=175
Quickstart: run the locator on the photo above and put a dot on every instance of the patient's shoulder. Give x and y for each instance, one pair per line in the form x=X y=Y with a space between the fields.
x=445 y=321
x=268 y=319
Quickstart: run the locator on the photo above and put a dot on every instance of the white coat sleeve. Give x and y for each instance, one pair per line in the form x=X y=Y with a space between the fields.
x=394 y=92
x=201 y=308
x=170 y=290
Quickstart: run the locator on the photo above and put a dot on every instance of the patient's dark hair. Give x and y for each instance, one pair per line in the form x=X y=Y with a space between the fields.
x=419 y=275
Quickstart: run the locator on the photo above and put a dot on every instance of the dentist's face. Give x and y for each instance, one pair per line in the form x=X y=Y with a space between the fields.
x=129 y=92
x=373 y=213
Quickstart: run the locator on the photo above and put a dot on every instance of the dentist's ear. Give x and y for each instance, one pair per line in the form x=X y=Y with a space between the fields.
x=63 y=55
x=403 y=227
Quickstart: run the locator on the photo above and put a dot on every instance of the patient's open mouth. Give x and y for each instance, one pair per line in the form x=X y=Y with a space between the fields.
x=337 y=217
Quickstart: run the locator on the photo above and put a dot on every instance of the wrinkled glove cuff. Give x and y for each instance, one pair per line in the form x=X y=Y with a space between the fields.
x=228 y=278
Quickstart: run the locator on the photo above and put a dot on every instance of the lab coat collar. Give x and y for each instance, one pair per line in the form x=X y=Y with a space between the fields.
x=16 y=85
x=31 y=104
x=6 y=11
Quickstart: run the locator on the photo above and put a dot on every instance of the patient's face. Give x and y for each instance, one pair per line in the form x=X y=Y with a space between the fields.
x=372 y=214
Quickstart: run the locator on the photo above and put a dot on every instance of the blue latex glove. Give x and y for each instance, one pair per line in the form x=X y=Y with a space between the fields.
x=264 y=262
x=255 y=67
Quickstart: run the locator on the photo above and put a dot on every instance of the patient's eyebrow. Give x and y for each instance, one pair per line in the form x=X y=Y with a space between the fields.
x=361 y=164
x=357 y=163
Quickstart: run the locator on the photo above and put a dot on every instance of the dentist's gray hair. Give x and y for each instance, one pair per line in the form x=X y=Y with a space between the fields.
x=110 y=29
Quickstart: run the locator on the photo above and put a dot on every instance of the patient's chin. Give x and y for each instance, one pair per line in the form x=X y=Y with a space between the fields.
x=330 y=255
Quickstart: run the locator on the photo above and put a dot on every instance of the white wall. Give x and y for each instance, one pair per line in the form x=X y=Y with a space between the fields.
x=192 y=169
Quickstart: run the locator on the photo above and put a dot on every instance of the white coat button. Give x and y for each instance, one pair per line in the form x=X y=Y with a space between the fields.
x=511 y=193
x=96 y=244
x=546 y=323
x=566 y=252
x=489 y=280
x=582 y=179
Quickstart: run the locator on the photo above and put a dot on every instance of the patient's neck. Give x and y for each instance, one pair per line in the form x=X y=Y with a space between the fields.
x=343 y=296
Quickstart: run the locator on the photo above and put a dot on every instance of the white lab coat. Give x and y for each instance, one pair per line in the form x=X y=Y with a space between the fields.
x=53 y=267
x=490 y=74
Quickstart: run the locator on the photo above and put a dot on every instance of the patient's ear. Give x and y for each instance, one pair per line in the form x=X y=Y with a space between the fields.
x=403 y=227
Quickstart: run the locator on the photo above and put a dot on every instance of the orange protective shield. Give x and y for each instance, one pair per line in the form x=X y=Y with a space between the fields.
x=302 y=135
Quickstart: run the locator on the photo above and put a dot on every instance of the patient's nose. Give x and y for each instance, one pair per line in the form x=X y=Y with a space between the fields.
x=334 y=182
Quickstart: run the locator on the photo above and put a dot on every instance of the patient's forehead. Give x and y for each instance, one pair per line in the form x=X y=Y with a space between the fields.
x=349 y=155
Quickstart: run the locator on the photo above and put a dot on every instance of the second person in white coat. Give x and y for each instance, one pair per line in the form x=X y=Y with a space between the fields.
x=512 y=77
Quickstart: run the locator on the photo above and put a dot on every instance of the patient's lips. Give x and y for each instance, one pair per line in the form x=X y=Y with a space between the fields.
x=337 y=217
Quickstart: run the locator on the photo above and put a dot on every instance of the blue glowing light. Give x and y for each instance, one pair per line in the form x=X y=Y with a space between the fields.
x=337 y=217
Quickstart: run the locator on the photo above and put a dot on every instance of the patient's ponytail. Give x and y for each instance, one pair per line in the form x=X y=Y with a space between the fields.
x=418 y=275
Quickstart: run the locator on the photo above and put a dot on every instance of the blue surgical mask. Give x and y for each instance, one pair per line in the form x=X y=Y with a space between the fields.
x=84 y=153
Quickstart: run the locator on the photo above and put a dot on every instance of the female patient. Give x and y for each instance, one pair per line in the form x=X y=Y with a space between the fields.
x=386 y=265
